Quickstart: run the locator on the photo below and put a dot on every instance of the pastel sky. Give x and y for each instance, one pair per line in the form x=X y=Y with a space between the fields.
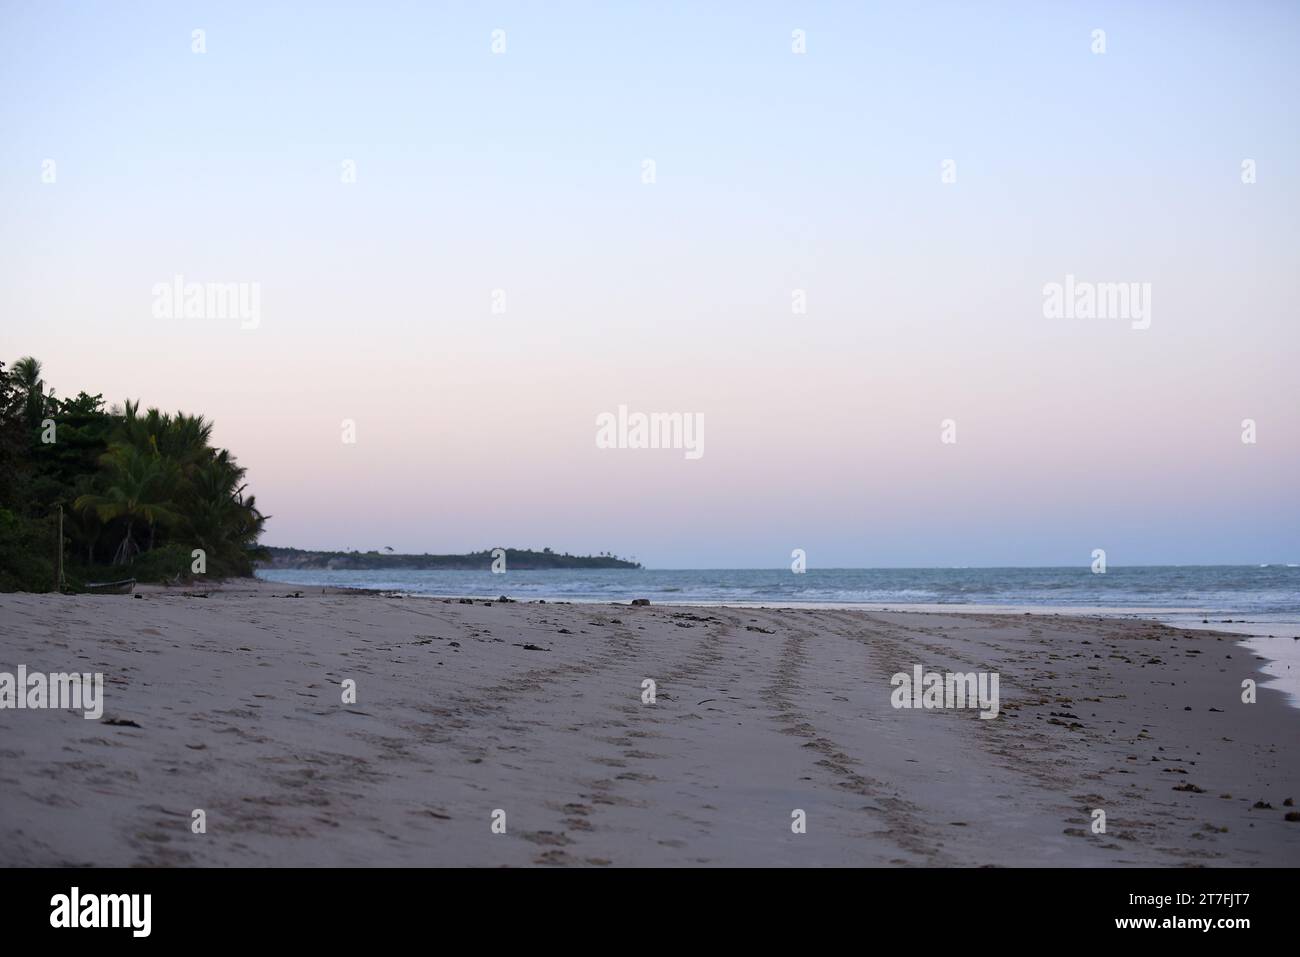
x=774 y=171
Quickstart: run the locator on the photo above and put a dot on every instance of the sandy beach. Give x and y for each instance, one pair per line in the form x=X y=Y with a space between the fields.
x=231 y=702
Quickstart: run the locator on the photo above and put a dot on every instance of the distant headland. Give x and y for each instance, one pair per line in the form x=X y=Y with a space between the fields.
x=516 y=559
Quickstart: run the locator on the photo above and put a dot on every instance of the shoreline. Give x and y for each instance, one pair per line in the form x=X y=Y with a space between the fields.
x=1185 y=615
x=1281 y=661
x=231 y=704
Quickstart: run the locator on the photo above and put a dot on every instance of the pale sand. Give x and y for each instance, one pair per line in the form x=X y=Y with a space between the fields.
x=238 y=705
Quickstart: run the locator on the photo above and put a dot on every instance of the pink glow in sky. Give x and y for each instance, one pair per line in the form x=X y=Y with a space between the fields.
x=774 y=173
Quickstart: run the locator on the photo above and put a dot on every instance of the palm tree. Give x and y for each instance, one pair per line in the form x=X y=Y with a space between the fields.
x=223 y=521
x=139 y=488
x=84 y=524
x=29 y=388
x=185 y=438
x=182 y=438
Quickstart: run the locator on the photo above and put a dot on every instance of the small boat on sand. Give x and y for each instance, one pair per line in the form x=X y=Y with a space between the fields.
x=123 y=587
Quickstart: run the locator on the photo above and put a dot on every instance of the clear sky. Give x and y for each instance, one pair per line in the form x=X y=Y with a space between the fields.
x=522 y=171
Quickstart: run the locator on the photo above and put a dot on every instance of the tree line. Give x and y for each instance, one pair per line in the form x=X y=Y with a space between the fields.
x=139 y=491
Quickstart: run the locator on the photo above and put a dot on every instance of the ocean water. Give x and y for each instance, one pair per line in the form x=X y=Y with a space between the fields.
x=1243 y=594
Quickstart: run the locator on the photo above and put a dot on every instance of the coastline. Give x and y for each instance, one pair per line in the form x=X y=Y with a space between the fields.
x=536 y=709
x=1274 y=641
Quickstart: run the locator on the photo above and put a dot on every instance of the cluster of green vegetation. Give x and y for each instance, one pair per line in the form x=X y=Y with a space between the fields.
x=138 y=492
x=516 y=559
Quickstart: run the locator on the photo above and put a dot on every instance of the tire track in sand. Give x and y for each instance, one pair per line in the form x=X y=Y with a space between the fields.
x=903 y=819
